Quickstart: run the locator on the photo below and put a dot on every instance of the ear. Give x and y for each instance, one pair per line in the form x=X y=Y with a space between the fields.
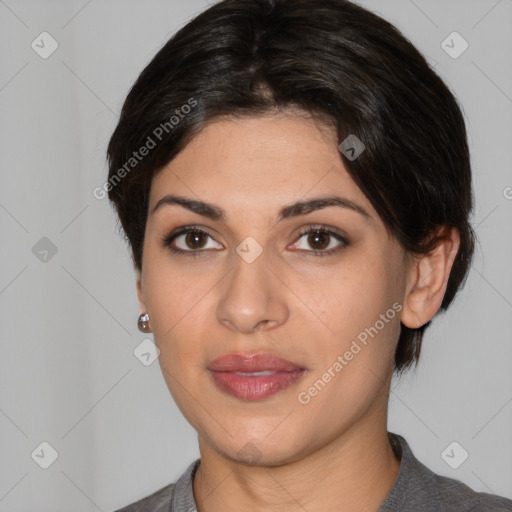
x=427 y=279
x=140 y=292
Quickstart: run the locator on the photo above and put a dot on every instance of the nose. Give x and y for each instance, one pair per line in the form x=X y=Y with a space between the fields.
x=253 y=298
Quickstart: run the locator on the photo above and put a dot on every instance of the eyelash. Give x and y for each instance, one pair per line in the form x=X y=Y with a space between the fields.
x=168 y=239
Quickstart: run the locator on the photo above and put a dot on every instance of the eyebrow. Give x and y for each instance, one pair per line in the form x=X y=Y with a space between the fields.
x=216 y=213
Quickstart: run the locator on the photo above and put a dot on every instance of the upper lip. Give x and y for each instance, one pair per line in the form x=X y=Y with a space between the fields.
x=251 y=363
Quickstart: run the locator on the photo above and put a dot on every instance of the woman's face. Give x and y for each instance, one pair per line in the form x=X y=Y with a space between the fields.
x=254 y=283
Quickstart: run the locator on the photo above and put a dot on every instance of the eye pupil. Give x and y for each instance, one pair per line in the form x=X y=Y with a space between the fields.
x=318 y=235
x=193 y=239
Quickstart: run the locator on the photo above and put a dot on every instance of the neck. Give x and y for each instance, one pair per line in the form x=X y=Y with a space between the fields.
x=353 y=472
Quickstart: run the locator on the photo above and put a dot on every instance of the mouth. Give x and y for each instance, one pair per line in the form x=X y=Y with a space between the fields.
x=254 y=377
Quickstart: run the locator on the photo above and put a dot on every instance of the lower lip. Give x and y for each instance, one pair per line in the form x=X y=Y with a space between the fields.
x=257 y=387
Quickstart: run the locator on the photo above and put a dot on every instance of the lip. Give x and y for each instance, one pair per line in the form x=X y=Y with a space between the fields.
x=228 y=374
x=252 y=363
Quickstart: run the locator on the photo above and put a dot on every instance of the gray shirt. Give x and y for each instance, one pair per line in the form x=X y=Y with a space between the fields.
x=416 y=489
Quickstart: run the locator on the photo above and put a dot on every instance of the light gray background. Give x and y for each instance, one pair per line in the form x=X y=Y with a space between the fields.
x=68 y=375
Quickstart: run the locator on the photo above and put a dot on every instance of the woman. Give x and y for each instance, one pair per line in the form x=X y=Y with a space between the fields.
x=295 y=185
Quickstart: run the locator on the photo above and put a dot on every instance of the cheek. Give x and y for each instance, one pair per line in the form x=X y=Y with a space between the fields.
x=177 y=307
x=178 y=312
x=353 y=296
x=360 y=305
x=172 y=288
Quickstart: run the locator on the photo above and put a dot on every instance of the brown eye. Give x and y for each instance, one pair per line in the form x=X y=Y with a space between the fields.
x=190 y=240
x=319 y=240
x=195 y=239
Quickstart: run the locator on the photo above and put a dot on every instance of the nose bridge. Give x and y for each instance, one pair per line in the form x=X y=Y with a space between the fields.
x=251 y=295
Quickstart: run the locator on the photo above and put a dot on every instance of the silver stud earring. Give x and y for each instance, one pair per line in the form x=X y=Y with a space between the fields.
x=143 y=323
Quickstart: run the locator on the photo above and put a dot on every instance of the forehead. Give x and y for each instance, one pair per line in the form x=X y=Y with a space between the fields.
x=260 y=160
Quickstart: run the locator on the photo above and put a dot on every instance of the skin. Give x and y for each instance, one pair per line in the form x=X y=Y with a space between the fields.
x=332 y=453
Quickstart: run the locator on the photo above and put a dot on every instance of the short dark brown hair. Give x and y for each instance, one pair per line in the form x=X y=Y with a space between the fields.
x=333 y=60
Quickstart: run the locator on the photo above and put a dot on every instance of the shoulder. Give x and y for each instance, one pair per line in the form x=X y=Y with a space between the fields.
x=159 y=501
x=174 y=496
x=417 y=488
x=455 y=495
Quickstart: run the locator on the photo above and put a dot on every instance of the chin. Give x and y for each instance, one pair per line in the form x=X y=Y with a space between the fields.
x=262 y=449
